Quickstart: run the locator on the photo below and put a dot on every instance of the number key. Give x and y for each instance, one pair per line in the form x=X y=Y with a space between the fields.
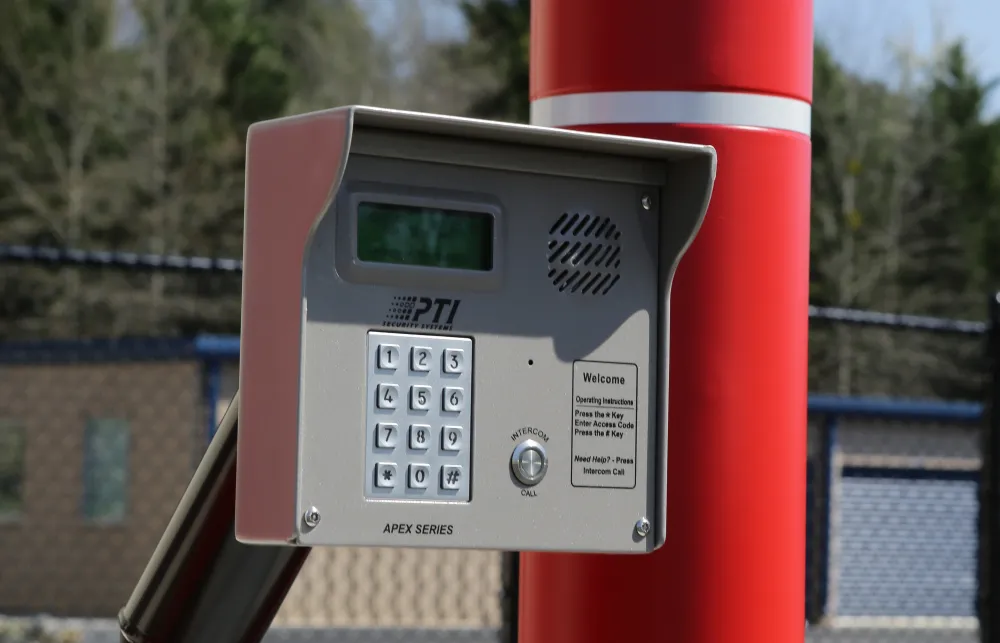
x=419 y=476
x=420 y=359
x=420 y=436
x=451 y=438
x=452 y=399
x=420 y=398
x=388 y=356
x=387 y=434
x=387 y=396
x=454 y=360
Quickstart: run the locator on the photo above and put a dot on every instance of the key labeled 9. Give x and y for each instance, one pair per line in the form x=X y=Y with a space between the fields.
x=451 y=438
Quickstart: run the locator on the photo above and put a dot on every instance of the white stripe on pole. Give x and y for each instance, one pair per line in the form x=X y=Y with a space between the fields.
x=691 y=108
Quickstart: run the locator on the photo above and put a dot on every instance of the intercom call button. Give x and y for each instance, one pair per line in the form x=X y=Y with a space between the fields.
x=528 y=462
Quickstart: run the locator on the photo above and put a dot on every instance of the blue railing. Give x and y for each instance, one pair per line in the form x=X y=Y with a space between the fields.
x=897 y=409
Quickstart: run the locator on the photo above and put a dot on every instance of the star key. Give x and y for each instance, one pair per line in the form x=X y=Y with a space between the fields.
x=385 y=475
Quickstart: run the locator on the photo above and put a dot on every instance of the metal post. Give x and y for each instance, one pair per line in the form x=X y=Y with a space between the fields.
x=200 y=584
x=509 y=598
x=988 y=598
x=825 y=476
x=738 y=76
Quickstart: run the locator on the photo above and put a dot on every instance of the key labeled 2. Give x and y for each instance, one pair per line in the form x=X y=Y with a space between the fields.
x=420 y=359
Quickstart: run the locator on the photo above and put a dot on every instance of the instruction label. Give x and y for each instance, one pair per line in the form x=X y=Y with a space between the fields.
x=605 y=397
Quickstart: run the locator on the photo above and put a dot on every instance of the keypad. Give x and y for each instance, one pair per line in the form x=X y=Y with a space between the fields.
x=419 y=417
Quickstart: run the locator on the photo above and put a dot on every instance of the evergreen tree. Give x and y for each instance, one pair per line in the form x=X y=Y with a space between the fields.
x=498 y=39
x=904 y=203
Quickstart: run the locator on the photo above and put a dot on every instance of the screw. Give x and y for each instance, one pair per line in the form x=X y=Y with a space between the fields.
x=311 y=517
x=647 y=203
x=642 y=527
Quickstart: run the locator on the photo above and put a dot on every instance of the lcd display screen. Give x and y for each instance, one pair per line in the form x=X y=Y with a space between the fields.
x=429 y=237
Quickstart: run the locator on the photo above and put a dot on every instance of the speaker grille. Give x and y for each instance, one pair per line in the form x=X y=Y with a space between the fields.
x=584 y=254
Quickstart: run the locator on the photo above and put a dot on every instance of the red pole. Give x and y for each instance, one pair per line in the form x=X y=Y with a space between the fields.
x=738 y=76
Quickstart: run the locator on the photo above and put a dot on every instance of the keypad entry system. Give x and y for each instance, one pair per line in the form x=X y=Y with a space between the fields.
x=419 y=417
x=454 y=332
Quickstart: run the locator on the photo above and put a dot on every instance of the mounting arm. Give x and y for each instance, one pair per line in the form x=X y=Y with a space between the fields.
x=201 y=585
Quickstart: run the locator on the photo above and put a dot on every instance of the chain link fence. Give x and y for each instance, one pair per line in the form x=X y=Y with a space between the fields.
x=98 y=442
x=892 y=520
x=101 y=432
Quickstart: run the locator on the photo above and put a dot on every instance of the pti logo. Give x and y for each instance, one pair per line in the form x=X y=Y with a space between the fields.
x=426 y=313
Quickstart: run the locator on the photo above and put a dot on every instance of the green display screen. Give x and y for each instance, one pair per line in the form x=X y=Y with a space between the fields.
x=431 y=237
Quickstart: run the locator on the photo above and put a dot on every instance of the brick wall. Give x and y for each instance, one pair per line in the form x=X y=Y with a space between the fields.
x=53 y=559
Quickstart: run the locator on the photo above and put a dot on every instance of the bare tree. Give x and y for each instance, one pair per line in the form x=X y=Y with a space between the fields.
x=433 y=82
x=60 y=123
x=399 y=59
x=872 y=203
x=184 y=168
x=337 y=57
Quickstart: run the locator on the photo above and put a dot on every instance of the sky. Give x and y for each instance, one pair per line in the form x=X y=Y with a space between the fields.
x=858 y=32
x=863 y=34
